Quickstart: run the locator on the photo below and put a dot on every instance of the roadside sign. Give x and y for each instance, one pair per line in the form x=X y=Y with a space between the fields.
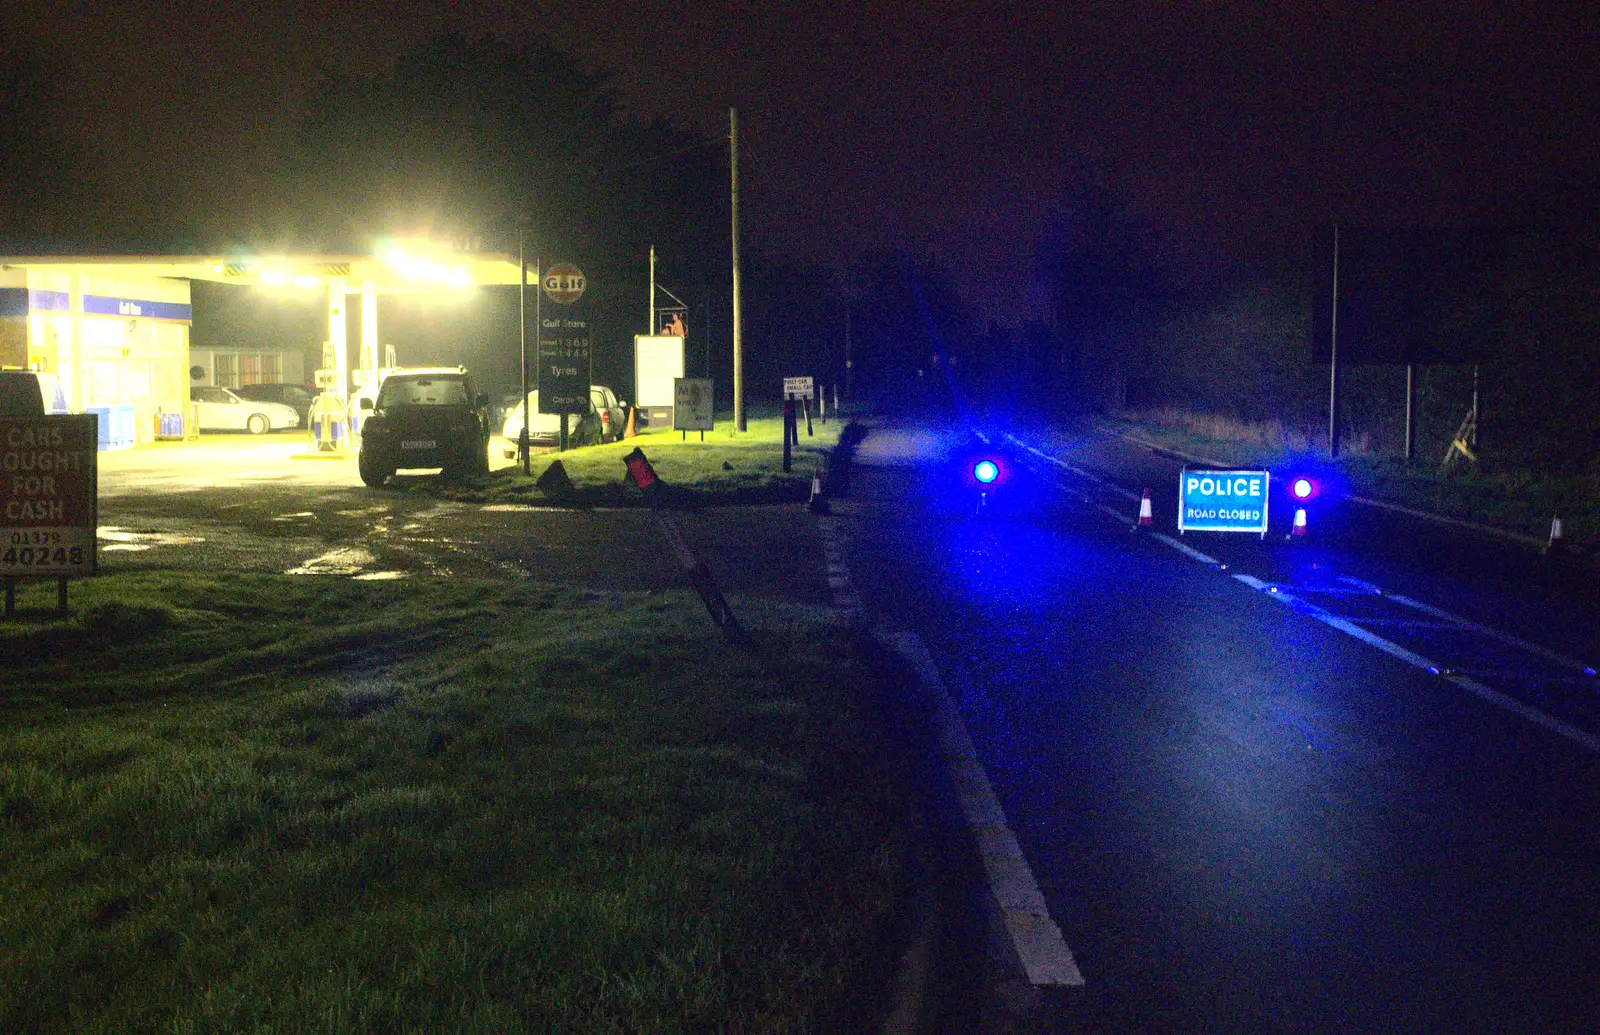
x=657 y=364
x=1223 y=501
x=692 y=408
x=799 y=388
x=48 y=493
x=563 y=343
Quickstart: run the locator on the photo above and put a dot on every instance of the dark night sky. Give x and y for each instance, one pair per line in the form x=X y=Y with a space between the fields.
x=949 y=128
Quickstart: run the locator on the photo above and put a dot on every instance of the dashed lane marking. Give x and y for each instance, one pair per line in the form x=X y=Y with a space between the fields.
x=1506 y=702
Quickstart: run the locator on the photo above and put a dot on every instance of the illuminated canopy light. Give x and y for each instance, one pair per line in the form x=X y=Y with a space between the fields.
x=416 y=267
x=1302 y=488
x=985 y=471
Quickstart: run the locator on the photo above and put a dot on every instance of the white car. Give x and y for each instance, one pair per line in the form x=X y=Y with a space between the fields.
x=222 y=410
x=603 y=422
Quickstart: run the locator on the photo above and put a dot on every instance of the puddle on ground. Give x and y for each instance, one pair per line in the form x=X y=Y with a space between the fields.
x=347 y=560
x=116 y=538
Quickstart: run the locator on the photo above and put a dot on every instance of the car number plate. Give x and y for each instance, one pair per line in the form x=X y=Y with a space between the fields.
x=419 y=443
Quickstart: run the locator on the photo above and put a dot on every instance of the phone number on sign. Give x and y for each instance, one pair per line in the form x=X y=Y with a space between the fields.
x=43 y=557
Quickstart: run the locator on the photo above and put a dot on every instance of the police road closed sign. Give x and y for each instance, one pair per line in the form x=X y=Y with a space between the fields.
x=1222 y=501
x=48 y=489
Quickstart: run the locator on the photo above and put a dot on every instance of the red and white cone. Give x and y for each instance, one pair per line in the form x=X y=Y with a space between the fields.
x=1146 y=515
x=819 y=500
x=1298 y=530
x=1557 y=544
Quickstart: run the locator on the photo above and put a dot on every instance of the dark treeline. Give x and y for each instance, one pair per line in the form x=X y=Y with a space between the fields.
x=470 y=138
x=1136 y=323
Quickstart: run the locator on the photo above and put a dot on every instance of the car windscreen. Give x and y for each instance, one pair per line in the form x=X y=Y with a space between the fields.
x=422 y=391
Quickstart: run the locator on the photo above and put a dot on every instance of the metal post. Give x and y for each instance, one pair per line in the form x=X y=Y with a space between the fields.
x=1411 y=411
x=522 y=325
x=848 y=361
x=1477 y=413
x=738 y=329
x=538 y=331
x=650 y=328
x=1333 y=356
x=788 y=427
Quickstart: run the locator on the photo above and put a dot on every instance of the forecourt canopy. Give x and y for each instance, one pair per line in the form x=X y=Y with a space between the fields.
x=115 y=328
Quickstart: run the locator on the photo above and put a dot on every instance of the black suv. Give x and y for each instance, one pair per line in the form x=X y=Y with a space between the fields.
x=425 y=418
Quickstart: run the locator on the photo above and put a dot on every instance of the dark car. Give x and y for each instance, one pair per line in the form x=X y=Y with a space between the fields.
x=430 y=417
x=28 y=393
x=299 y=397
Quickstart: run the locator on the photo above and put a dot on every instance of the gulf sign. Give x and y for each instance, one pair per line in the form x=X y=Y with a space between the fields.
x=1223 y=501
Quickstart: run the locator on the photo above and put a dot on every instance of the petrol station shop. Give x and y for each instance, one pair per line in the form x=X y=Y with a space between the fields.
x=116 y=329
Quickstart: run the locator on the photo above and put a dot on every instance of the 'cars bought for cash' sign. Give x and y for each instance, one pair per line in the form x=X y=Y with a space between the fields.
x=1222 y=501
x=48 y=494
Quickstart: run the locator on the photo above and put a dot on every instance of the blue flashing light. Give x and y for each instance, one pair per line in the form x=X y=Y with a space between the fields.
x=1303 y=488
x=985 y=471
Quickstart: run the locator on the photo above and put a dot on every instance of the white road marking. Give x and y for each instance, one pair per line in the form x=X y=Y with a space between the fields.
x=1037 y=939
x=1034 y=935
x=1494 y=697
x=1350 y=628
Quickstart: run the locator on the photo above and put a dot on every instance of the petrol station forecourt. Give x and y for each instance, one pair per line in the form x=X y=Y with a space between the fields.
x=116 y=328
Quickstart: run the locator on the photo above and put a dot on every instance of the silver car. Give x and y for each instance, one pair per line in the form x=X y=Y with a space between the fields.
x=222 y=410
x=603 y=422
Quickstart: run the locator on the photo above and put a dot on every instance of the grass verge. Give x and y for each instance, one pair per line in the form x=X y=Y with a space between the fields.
x=436 y=806
x=1514 y=498
x=726 y=468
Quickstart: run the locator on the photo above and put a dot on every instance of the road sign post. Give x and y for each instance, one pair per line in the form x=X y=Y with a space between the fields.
x=692 y=405
x=1223 y=501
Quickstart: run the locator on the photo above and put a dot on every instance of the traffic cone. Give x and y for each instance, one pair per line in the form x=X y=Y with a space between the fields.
x=630 y=431
x=1298 y=531
x=1146 y=516
x=1556 y=544
x=818 y=502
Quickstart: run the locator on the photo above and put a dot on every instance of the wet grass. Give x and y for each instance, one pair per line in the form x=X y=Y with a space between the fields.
x=257 y=803
x=726 y=468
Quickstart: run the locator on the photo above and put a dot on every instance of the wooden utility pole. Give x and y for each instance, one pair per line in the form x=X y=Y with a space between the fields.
x=738 y=329
x=1333 y=355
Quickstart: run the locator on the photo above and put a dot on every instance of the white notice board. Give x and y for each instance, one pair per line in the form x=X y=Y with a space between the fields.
x=693 y=409
x=799 y=388
x=657 y=362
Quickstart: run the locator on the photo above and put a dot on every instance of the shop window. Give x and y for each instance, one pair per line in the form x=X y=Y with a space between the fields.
x=271 y=367
x=226 y=372
x=104 y=386
x=249 y=370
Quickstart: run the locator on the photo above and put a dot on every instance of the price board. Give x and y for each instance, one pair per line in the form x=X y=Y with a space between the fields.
x=563 y=345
